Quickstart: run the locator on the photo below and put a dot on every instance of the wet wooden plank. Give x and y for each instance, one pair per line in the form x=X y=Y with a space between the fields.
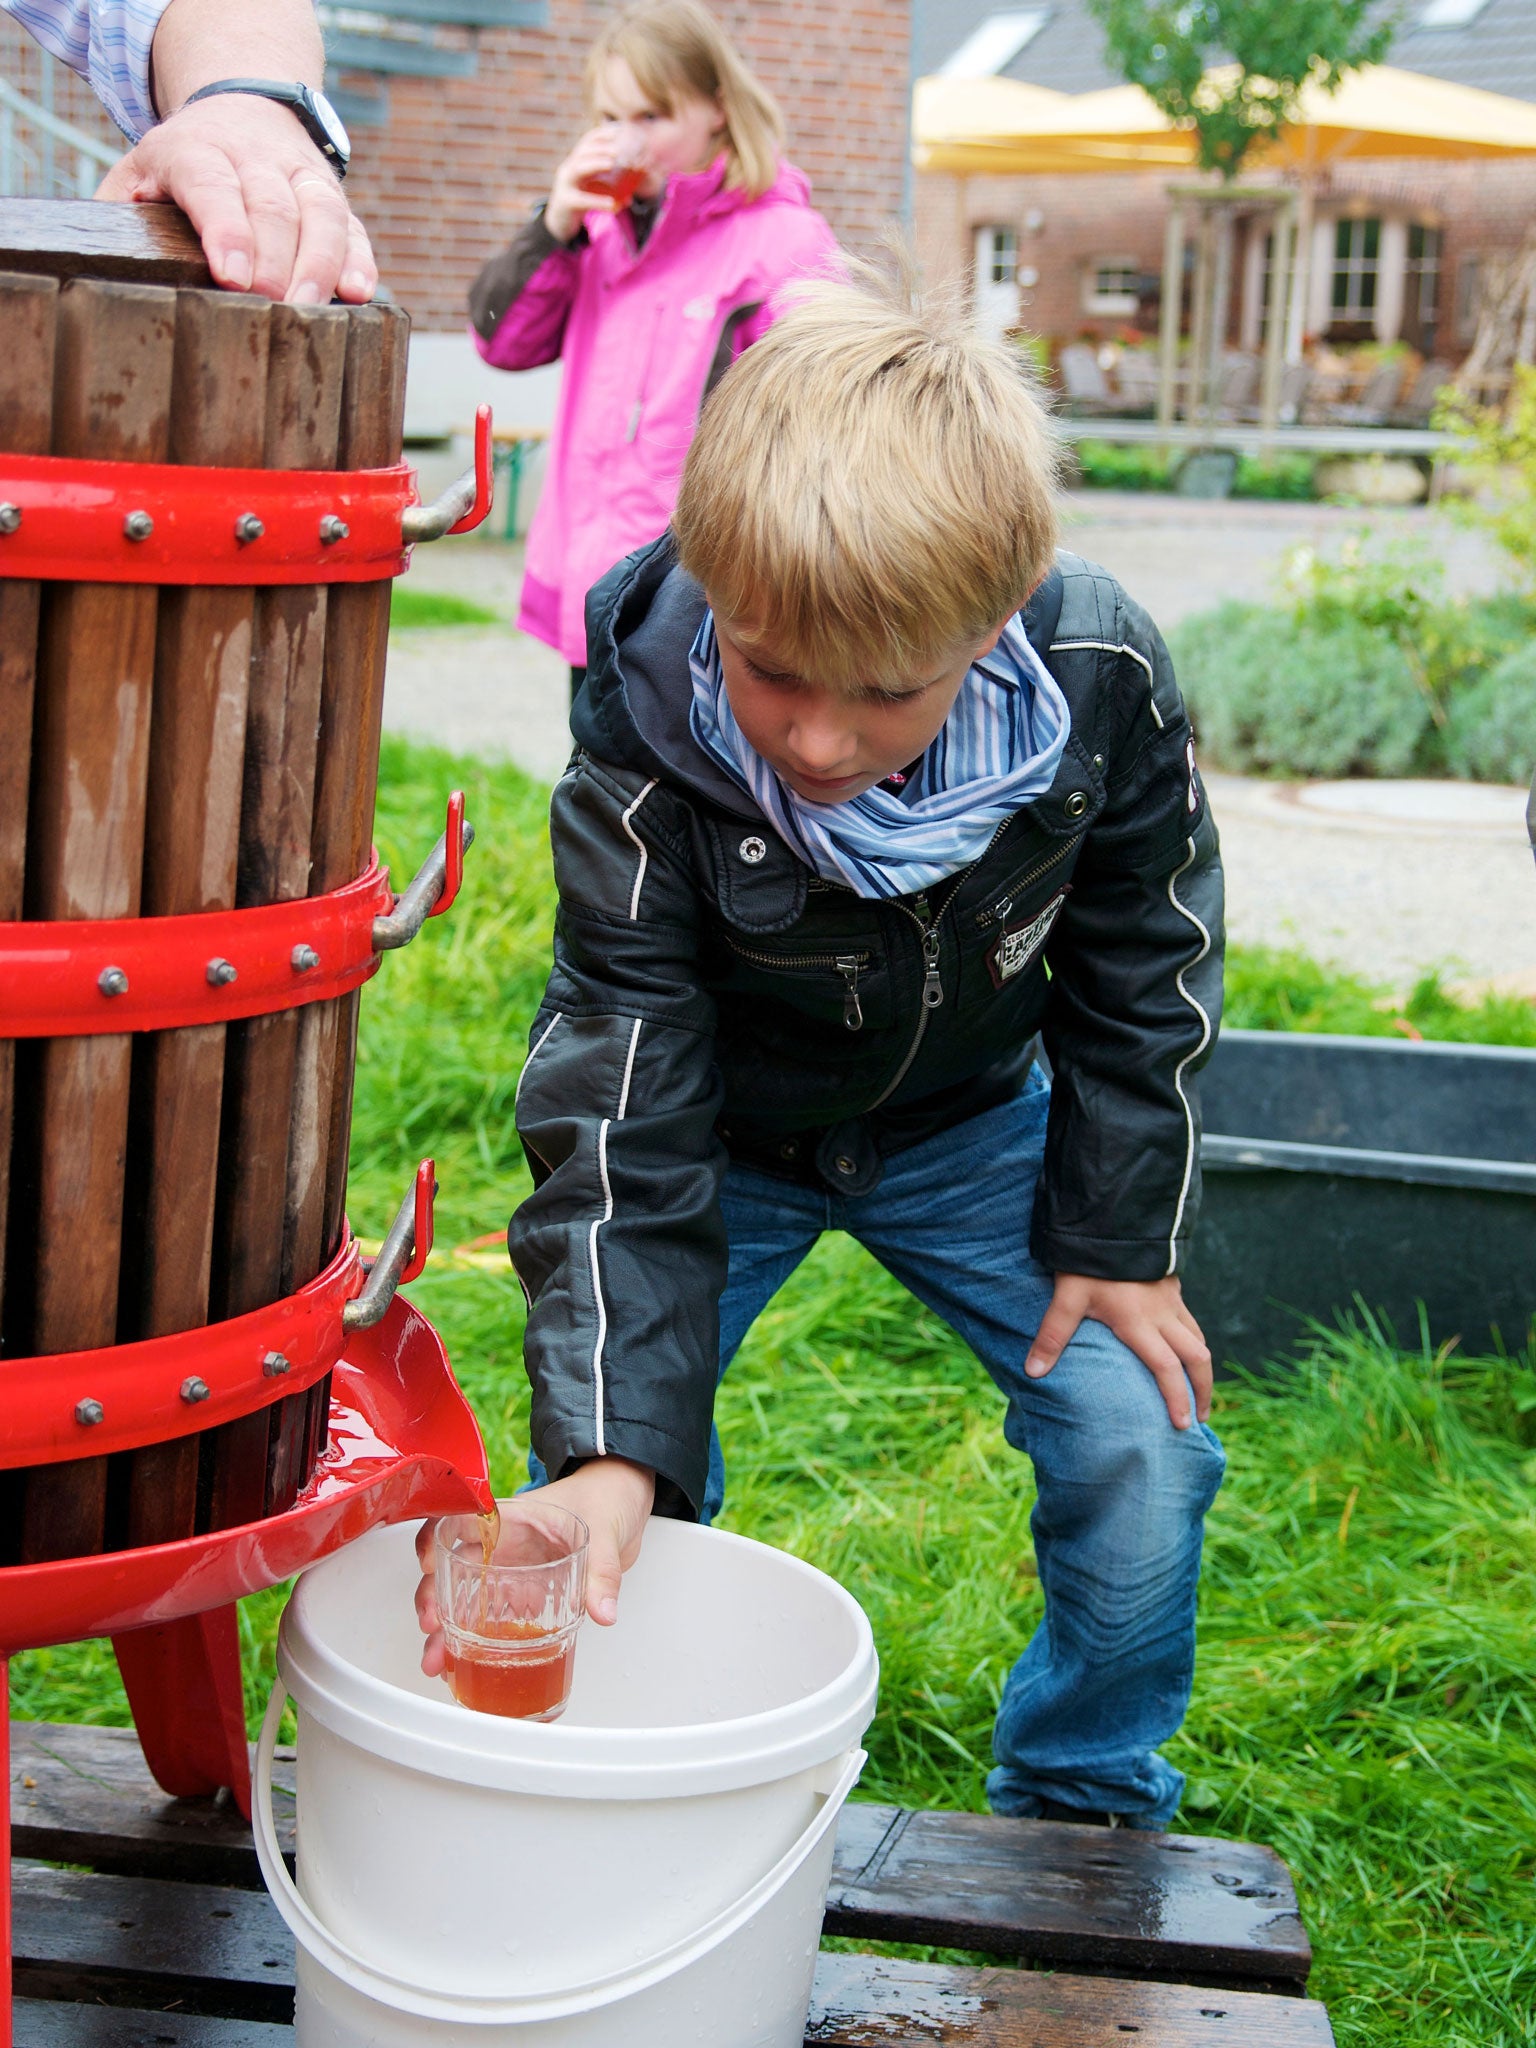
x=196 y=753
x=112 y=387
x=28 y=306
x=84 y=1795
x=204 y=1949
x=1189 y=1905
x=1032 y=1889
x=135 y=1941
x=41 y=2025
x=872 y=2002
x=91 y=238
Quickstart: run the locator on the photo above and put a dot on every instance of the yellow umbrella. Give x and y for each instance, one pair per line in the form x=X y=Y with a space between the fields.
x=1378 y=111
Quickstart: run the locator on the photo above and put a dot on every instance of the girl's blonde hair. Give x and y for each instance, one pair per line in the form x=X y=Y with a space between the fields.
x=677 y=49
x=872 y=484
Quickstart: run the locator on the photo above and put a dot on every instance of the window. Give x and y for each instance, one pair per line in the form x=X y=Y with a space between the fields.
x=1000 y=256
x=1422 y=299
x=1112 y=287
x=1356 y=261
x=992 y=46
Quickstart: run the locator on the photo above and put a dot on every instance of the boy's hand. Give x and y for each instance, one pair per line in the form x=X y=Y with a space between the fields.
x=1149 y=1316
x=613 y=1498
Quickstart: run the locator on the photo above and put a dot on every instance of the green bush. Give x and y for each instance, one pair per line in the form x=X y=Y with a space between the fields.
x=1106 y=466
x=1490 y=734
x=1276 y=476
x=1272 y=694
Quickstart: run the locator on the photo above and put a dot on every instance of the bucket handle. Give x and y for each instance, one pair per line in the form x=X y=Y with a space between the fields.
x=403 y=1996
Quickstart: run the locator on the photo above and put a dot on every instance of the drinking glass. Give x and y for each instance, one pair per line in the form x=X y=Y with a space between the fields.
x=510 y=1603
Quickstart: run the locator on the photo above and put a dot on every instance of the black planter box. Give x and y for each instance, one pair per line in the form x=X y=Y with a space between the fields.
x=1398 y=1172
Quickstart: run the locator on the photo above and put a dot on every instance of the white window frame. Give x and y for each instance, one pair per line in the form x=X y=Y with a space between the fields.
x=1355 y=266
x=1108 y=303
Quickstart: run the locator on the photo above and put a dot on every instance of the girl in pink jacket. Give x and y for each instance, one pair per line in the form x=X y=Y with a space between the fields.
x=646 y=300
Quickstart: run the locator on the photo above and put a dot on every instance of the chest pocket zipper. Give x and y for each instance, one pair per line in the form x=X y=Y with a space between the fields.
x=997 y=913
x=849 y=965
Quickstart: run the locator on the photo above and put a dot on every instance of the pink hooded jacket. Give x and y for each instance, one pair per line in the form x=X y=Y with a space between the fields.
x=640 y=334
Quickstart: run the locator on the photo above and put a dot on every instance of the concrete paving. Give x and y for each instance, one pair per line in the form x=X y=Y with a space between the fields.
x=1386 y=878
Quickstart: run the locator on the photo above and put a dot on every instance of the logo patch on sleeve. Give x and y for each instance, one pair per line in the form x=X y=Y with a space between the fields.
x=1015 y=949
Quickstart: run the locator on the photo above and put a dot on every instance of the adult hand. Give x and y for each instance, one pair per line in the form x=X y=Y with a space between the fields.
x=1149 y=1316
x=614 y=1499
x=270 y=212
x=568 y=203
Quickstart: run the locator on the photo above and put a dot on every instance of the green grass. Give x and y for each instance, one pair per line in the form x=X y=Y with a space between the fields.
x=1363 y=1699
x=411 y=607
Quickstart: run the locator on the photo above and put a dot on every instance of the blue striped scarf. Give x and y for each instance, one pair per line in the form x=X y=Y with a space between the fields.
x=999 y=747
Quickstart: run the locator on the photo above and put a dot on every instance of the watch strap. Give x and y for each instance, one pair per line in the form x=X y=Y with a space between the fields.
x=286 y=93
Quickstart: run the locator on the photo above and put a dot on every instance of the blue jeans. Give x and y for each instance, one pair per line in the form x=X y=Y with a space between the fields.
x=1121 y=1494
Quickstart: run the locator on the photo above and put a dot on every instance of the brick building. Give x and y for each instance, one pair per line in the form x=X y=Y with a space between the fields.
x=1400 y=245
x=460 y=109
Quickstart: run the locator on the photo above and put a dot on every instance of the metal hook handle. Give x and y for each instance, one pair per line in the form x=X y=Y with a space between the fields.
x=402 y=1256
x=433 y=888
x=465 y=504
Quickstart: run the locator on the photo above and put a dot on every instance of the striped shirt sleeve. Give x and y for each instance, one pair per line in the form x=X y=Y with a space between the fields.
x=107 y=41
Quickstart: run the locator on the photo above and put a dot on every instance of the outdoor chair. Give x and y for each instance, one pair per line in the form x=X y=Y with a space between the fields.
x=1377 y=400
x=1136 y=382
x=1082 y=380
x=1418 y=406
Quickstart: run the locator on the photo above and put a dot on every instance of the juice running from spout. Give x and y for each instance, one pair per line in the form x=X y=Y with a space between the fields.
x=515 y=1669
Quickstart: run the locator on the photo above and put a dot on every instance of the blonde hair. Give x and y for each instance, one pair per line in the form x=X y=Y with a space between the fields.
x=871 y=485
x=676 y=48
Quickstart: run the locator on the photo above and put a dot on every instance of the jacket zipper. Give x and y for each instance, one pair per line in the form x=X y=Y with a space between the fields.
x=848 y=965
x=928 y=923
x=999 y=911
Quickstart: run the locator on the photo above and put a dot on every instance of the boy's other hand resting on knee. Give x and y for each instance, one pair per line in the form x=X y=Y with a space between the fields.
x=612 y=1496
x=1147 y=1315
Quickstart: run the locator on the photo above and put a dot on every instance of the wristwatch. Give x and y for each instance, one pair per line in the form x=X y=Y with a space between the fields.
x=317 y=116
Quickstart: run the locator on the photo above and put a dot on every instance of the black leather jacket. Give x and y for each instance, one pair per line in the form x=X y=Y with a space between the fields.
x=711 y=996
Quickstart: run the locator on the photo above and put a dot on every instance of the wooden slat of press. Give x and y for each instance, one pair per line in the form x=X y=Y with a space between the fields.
x=872 y=2002
x=85 y=849
x=196 y=749
x=1184 y=1905
x=40 y=2025
x=206 y=1950
x=86 y=237
x=1179 y=1905
x=303 y=410
x=27 y=309
x=352 y=703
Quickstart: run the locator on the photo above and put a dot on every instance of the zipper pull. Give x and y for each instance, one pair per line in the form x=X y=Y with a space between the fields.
x=634 y=421
x=847 y=966
x=933 y=988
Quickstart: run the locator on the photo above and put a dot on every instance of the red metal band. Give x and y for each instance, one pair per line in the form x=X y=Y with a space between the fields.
x=83 y=1404
x=89 y=976
x=69 y=520
x=75 y=522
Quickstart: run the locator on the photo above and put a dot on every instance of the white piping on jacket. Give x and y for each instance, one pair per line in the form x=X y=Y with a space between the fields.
x=534 y=1051
x=1109 y=647
x=1193 y=1053
x=599 y=1436
x=634 y=837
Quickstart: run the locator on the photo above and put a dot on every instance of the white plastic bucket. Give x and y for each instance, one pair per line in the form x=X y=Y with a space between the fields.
x=468 y=1871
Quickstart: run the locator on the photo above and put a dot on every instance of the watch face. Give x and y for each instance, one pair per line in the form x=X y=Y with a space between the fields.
x=331 y=122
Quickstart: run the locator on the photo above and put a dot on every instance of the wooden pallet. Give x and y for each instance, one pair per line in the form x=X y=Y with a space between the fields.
x=159 y=1935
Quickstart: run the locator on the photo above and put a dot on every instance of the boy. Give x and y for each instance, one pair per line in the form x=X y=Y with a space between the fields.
x=845 y=830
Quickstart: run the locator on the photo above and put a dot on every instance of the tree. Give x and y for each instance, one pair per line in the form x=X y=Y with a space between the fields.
x=1263 y=53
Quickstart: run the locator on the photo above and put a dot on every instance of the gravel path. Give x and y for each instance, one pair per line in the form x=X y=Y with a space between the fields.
x=1389 y=879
